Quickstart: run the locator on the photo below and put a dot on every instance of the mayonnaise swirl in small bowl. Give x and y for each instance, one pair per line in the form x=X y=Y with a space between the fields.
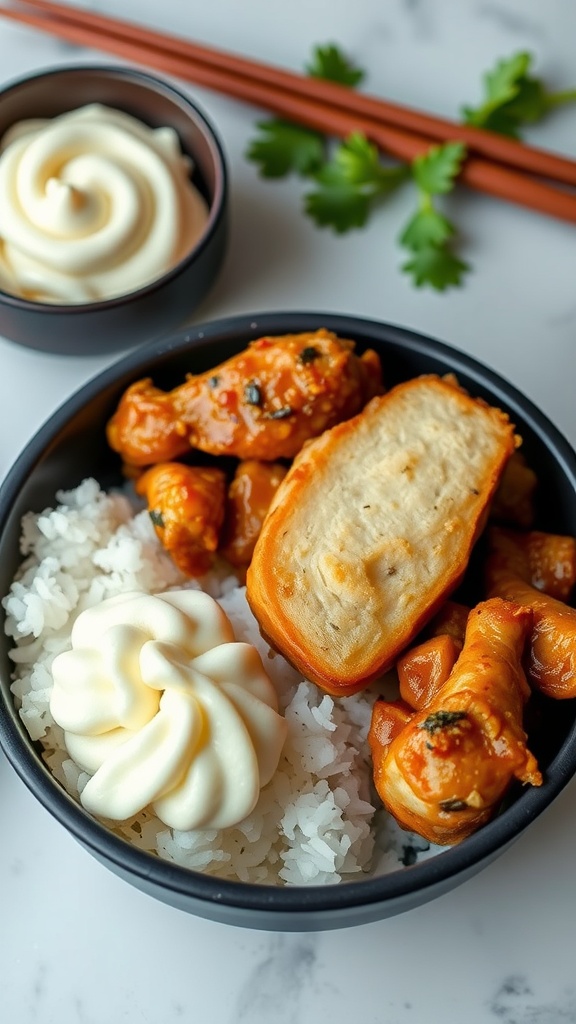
x=93 y=204
x=163 y=708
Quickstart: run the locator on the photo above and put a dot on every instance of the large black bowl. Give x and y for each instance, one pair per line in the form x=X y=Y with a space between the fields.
x=72 y=445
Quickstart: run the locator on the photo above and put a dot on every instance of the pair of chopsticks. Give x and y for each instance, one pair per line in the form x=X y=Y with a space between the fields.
x=496 y=165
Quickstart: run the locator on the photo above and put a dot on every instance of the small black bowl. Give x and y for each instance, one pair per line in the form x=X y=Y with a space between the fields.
x=164 y=304
x=71 y=445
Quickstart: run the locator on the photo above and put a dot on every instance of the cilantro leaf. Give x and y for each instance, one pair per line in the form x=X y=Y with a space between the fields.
x=513 y=98
x=426 y=228
x=357 y=161
x=434 y=172
x=435 y=266
x=283 y=148
x=330 y=63
x=349 y=184
x=502 y=83
x=499 y=121
x=531 y=103
x=338 y=206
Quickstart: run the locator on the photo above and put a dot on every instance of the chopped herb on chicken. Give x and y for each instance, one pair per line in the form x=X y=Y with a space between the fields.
x=309 y=354
x=253 y=393
x=442 y=720
x=157 y=518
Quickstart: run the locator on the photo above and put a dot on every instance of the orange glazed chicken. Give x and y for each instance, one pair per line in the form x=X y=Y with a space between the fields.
x=514 y=499
x=187 y=506
x=443 y=770
x=263 y=403
x=249 y=498
x=424 y=668
x=538 y=570
x=547 y=561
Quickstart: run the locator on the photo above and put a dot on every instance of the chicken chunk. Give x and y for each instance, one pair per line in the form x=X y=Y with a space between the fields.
x=552 y=563
x=187 y=506
x=521 y=567
x=547 y=561
x=263 y=403
x=443 y=770
x=513 y=501
x=424 y=668
x=249 y=498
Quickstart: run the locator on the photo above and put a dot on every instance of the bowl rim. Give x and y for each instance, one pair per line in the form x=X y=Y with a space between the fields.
x=147 y=80
x=293 y=902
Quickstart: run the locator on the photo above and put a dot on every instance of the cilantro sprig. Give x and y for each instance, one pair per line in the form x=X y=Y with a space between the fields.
x=514 y=98
x=330 y=63
x=428 y=234
x=284 y=148
x=350 y=178
x=350 y=183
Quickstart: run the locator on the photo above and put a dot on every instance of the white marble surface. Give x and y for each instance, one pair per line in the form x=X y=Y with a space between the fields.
x=79 y=946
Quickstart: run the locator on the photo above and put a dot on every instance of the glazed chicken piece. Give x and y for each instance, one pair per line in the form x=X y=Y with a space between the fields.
x=187 y=506
x=424 y=668
x=263 y=403
x=443 y=770
x=513 y=501
x=538 y=570
x=545 y=560
x=249 y=498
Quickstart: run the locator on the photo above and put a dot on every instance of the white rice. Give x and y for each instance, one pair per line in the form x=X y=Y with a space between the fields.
x=316 y=821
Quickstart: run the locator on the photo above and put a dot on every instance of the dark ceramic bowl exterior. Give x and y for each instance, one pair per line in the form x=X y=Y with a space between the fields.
x=164 y=304
x=72 y=445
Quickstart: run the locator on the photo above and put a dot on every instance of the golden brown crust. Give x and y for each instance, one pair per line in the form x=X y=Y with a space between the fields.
x=373 y=527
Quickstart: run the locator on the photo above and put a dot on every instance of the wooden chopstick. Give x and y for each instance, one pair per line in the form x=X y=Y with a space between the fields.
x=277 y=92
x=488 y=144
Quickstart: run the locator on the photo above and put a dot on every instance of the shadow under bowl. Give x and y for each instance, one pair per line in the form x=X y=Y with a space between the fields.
x=164 y=304
x=71 y=446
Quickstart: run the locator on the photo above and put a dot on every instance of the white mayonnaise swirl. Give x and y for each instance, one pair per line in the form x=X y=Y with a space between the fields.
x=93 y=204
x=161 y=706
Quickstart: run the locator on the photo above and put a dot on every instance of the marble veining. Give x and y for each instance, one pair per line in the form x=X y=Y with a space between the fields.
x=512 y=22
x=279 y=984
x=563 y=317
x=422 y=15
x=516 y=1003
x=37 y=989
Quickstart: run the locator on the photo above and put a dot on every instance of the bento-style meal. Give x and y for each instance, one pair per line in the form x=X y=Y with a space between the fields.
x=270 y=655
x=94 y=204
